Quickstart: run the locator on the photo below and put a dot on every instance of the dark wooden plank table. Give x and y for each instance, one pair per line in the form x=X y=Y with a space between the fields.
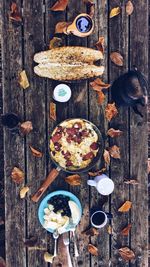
x=129 y=36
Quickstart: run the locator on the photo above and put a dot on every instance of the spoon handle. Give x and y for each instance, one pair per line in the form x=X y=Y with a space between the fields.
x=55 y=248
x=75 y=245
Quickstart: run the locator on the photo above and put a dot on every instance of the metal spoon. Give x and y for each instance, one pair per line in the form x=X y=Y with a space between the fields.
x=55 y=236
x=72 y=229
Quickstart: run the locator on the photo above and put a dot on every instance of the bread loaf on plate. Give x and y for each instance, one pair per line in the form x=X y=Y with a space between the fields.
x=68 y=63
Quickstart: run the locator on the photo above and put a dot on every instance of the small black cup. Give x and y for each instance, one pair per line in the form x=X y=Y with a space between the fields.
x=11 y=121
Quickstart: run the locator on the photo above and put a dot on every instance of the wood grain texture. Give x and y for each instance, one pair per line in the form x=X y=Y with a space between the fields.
x=13 y=144
x=118 y=42
x=35 y=112
x=138 y=131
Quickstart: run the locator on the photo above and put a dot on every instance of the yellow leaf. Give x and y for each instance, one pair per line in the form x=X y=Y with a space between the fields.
x=23 y=191
x=126 y=206
x=114 y=12
x=23 y=80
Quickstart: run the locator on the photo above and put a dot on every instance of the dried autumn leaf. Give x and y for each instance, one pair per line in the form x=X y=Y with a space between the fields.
x=90 y=7
x=100 y=44
x=98 y=85
x=116 y=58
x=17 y=175
x=114 y=152
x=91 y=232
x=93 y=250
x=110 y=111
x=23 y=191
x=125 y=231
x=109 y=230
x=129 y=8
x=48 y=257
x=61 y=27
x=55 y=42
x=23 y=80
x=14 y=13
x=30 y=242
x=53 y=111
x=106 y=156
x=114 y=12
x=96 y=173
x=35 y=152
x=74 y=179
x=2 y=262
x=132 y=181
x=26 y=127
x=80 y=96
x=114 y=133
x=126 y=253
x=60 y=5
x=101 y=97
x=126 y=206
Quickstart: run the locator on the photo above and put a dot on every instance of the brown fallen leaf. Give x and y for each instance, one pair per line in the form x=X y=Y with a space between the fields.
x=125 y=231
x=26 y=127
x=23 y=80
x=116 y=58
x=48 y=257
x=24 y=191
x=52 y=111
x=101 y=97
x=114 y=12
x=80 y=96
x=61 y=27
x=60 y=5
x=111 y=111
x=93 y=250
x=100 y=44
x=109 y=230
x=106 y=156
x=96 y=173
x=90 y=7
x=129 y=8
x=126 y=254
x=74 y=179
x=30 y=242
x=14 y=13
x=55 y=42
x=91 y=232
x=98 y=85
x=132 y=181
x=17 y=175
x=35 y=152
x=114 y=152
x=126 y=206
x=2 y=262
x=114 y=133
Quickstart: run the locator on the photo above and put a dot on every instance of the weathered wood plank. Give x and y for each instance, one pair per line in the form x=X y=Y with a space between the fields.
x=138 y=138
x=35 y=111
x=118 y=42
x=96 y=115
x=13 y=144
x=79 y=109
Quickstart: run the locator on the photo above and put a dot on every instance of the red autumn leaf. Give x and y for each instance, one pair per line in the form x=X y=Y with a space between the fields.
x=114 y=152
x=106 y=156
x=114 y=133
x=126 y=253
x=74 y=179
x=61 y=27
x=60 y=5
x=129 y=8
x=100 y=44
x=93 y=250
x=36 y=153
x=101 y=97
x=53 y=111
x=110 y=111
x=91 y=232
x=125 y=231
x=26 y=127
x=126 y=206
x=14 y=13
x=98 y=85
x=17 y=175
x=90 y=7
x=116 y=58
x=96 y=173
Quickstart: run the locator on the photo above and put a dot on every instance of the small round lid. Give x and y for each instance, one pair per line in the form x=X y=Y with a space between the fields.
x=105 y=186
x=62 y=93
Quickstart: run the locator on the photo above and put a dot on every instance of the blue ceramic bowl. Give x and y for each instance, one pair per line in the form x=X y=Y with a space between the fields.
x=44 y=205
